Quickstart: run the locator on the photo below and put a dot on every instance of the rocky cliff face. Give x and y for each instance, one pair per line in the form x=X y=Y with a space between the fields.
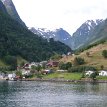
x=2 y=8
x=12 y=11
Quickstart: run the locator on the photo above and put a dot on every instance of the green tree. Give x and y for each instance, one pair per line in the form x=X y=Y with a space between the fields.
x=65 y=66
x=68 y=65
x=104 y=53
x=93 y=75
x=22 y=63
x=102 y=67
x=88 y=54
x=62 y=66
x=38 y=68
x=56 y=57
x=12 y=61
x=19 y=73
x=78 y=61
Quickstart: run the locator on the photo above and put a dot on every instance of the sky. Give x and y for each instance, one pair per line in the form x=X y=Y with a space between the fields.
x=54 y=14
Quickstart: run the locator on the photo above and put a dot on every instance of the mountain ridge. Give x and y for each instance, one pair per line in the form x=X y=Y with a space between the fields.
x=57 y=34
x=79 y=38
x=83 y=33
x=12 y=11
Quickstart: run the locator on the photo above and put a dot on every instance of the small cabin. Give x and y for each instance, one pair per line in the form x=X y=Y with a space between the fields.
x=102 y=73
x=88 y=73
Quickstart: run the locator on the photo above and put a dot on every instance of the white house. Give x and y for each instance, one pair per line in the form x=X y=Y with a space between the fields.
x=2 y=75
x=26 y=71
x=11 y=76
x=102 y=73
x=88 y=73
x=47 y=71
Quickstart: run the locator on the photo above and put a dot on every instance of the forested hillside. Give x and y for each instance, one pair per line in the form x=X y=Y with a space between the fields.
x=16 y=40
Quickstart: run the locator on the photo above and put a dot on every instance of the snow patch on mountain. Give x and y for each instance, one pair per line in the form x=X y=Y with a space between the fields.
x=83 y=33
x=57 y=34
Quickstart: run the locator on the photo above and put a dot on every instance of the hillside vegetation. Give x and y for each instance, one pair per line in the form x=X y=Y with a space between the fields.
x=94 y=59
x=17 y=40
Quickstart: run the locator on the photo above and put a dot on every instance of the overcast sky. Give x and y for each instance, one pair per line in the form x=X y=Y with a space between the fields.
x=67 y=14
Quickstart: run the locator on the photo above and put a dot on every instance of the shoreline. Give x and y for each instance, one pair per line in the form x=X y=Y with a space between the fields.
x=66 y=81
x=60 y=80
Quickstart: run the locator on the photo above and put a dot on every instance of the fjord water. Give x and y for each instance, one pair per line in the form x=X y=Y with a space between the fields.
x=48 y=94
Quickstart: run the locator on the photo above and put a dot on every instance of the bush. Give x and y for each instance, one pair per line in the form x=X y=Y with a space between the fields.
x=81 y=69
x=56 y=57
x=104 y=53
x=93 y=75
x=65 y=66
x=78 y=61
x=88 y=54
x=12 y=61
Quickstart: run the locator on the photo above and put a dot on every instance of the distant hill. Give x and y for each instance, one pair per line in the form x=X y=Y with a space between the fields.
x=17 y=40
x=57 y=34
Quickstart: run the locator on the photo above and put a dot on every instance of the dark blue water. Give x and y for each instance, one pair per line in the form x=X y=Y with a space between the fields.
x=47 y=94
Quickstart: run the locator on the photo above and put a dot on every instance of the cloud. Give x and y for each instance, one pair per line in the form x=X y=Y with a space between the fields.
x=69 y=14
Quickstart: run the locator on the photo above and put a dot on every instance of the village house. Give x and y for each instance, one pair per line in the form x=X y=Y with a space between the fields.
x=27 y=65
x=47 y=71
x=102 y=73
x=52 y=64
x=43 y=63
x=69 y=53
x=88 y=73
x=11 y=76
x=2 y=76
x=25 y=71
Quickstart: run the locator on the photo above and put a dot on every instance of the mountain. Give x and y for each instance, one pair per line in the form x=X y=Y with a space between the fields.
x=12 y=11
x=84 y=33
x=57 y=34
x=79 y=38
x=2 y=8
x=17 y=40
x=99 y=33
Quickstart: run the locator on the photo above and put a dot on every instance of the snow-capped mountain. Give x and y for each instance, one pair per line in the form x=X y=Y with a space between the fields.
x=84 y=33
x=57 y=34
x=79 y=38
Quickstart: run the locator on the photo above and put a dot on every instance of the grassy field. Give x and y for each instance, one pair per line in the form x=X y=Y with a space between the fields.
x=95 y=59
x=2 y=64
x=101 y=78
x=66 y=76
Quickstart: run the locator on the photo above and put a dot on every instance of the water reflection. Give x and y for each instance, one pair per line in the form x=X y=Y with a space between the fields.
x=47 y=94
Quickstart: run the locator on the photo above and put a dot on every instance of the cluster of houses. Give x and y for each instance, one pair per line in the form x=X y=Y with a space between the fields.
x=10 y=76
x=100 y=73
x=27 y=70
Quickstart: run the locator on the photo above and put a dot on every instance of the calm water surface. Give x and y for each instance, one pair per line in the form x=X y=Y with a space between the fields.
x=46 y=94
